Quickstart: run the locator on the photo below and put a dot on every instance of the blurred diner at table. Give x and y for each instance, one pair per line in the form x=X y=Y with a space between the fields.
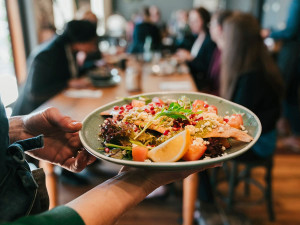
x=199 y=57
x=53 y=65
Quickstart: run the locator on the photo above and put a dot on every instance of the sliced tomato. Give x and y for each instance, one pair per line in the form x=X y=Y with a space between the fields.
x=194 y=153
x=236 y=120
x=139 y=153
x=157 y=100
x=137 y=103
x=198 y=105
x=213 y=108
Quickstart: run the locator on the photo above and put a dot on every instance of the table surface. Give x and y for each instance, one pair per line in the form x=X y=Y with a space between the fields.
x=79 y=108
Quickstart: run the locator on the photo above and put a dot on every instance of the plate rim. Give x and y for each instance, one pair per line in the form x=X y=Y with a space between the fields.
x=179 y=164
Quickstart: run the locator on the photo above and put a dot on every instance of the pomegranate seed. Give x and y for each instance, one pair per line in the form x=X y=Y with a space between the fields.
x=129 y=107
x=126 y=122
x=121 y=112
x=226 y=120
x=147 y=110
x=116 y=108
x=106 y=150
x=192 y=116
x=166 y=132
x=158 y=104
x=122 y=108
x=176 y=128
x=151 y=108
x=206 y=105
x=152 y=112
x=194 y=123
x=135 y=129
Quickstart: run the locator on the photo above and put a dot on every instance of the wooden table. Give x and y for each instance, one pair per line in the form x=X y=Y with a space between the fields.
x=78 y=108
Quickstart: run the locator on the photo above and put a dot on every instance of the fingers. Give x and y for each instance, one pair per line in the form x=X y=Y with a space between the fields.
x=78 y=163
x=55 y=118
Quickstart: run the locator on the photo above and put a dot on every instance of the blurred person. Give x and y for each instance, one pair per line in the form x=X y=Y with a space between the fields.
x=216 y=30
x=198 y=59
x=52 y=66
x=181 y=31
x=250 y=77
x=87 y=61
x=20 y=196
x=155 y=18
x=135 y=19
x=287 y=60
x=144 y=30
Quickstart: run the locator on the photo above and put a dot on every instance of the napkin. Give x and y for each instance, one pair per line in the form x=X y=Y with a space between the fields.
x=175 y=86
x=83 y=93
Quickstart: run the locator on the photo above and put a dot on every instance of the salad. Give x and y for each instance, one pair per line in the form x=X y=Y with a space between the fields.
x=144 y=125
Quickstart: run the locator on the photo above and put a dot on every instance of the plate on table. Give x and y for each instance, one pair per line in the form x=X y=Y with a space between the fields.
x=91 y=142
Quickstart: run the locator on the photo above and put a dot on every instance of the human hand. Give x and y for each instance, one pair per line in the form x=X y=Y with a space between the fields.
x=154 y=178
x=80 y=83
x=183 y=55
x=264 y=33
x=62 y=145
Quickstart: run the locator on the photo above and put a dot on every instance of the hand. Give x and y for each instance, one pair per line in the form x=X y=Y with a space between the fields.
x=62 y=145
x=156 y=178
x=265 y=33
x=80 y=83
x=184 y=55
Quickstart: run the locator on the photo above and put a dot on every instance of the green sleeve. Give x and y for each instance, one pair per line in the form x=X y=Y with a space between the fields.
x=60 y=215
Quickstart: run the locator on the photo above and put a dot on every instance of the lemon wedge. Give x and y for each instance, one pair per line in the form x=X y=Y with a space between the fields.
x=173 y=149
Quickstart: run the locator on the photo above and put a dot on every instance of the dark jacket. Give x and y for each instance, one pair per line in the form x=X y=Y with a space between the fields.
x=254 y=91
x=48 y=74
x=199 y=66
x=141 y=31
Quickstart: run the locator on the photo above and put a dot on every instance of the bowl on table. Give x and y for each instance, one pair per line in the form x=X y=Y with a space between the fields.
x=104 y=77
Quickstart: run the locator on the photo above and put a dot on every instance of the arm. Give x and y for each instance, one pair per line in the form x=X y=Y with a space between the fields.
x=61 y=141
x=292 y=24
x=106 y=203
x=116 y=196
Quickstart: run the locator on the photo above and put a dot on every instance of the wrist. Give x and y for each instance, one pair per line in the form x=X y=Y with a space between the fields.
x=16 y=129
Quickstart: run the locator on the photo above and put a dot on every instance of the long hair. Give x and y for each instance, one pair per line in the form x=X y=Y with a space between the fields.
x=244 y=51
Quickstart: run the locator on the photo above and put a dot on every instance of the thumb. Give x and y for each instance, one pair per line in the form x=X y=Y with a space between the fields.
x=55 y=118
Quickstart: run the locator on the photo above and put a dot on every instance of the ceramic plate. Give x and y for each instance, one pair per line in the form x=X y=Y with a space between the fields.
x=91 y=142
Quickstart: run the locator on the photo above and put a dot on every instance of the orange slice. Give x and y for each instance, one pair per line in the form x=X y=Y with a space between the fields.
x=172 y=150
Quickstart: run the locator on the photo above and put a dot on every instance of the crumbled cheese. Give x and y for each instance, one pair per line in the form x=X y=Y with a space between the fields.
x=245 y=131
x=198 y=142
x=206 y=142
x=148 y=161
x=209 y=129
x=223 y=148
x=242 y=127
x=206 y=124
x=191 y=128
x=221 y=130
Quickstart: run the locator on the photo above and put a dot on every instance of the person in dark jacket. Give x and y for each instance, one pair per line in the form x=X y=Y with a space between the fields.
x=288 y=62
x=198 y=59
x=53 y=65
x=250 y=77
x=144 y=30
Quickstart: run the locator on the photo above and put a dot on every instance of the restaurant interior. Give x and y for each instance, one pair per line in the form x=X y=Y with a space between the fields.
x=85 y=59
